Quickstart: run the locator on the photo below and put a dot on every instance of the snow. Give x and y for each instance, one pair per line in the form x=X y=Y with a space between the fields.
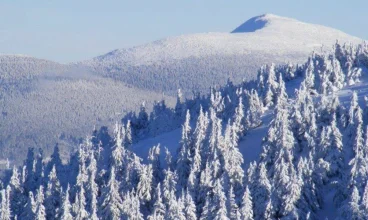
x=251 y=144
x=267 y=33
x=199 y=61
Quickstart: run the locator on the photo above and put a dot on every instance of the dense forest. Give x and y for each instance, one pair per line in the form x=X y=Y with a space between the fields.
x=315 y=146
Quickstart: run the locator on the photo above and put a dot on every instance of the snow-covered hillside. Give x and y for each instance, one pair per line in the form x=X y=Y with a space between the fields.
x=41 y=98
x=43 y=103
x=292 y=145
x=211 y=58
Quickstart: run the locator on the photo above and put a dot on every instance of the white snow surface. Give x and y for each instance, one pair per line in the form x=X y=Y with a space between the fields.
x=265 y=34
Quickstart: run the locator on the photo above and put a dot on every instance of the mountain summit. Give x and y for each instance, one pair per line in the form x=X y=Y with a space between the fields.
x=198 y=61
x=258 y=22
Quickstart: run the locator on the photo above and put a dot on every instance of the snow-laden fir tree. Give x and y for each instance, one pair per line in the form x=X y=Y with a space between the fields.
x=40 y=208
x=246 y=209
x=144 y=188
x=184 y=153
x=53 y=195
x=232 y=206
x=111 y=207
x=159 y=208
x=5 y=212
x=66 y=208
x=189 y=206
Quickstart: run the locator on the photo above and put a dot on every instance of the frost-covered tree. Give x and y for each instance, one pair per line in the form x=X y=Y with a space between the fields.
x=218 y=202
x=81 y=213
x=144 y=188
x=233 y=159
x=5 y=212
x=159 y=208
x=333 y=149
x=232 y=206
x=169 y=187
x=189 y=207
x=239 y=119
x=261 y=192
x=175 y=210
x=17 y=199
x=66 y=208
x=40 y=208
x=131 y=207
x=128 y=135
x=254 y=111
x=246 y=209
x=359 y=166
x=184 y=153
x=92 y=188
x=53 y=195
x=111 y=207
x=154 y=160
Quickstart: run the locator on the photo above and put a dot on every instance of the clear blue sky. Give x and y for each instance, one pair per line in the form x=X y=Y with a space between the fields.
x=73 y=30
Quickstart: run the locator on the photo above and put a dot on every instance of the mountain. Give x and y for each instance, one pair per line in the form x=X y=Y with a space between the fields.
x=198 y=61
x=43 y=103
x=292 y=145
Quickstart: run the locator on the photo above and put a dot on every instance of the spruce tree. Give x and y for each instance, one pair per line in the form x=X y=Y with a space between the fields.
x=159 y=208
x=40 y=208
x=66 y=207
x=184 y=157
x=111 y=207
x=247 y=206
x=5 y=212
x=53 y=195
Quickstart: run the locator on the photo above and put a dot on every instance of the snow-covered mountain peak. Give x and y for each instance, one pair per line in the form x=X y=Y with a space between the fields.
x=259 y=22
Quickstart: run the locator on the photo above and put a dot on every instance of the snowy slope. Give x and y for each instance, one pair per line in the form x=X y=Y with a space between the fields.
x=251 y=145
x=43 y=102
x=214 y=57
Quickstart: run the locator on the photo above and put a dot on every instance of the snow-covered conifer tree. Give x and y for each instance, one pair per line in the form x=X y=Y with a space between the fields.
x=239 y=119
x=81 y=213
x=232 y=206
x=111 y=207
x=175 y=210
x=189 y=207
x=5 y=212
x=17 y=199
x=154 y=160
x=53 y=195
x=128 y=135
x=66 y=207
x=159 y=208
x=169 y=186
x=261 y=192
x=218 y=202
x=131 y=207
x=184 y=157
x=247 y=206
x=254 y=111
x=144 y=188
x=40 y=208
x=359 y=166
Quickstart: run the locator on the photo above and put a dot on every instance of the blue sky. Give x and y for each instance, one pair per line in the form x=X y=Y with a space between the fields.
x=74 y=30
